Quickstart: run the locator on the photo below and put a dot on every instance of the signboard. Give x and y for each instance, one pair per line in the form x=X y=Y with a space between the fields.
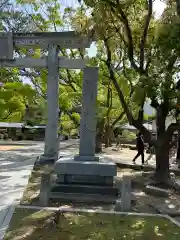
x=68 y=40
x=6 y=46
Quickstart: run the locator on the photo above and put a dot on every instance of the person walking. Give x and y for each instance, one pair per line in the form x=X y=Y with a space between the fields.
x=118 y=141
x=150 y=150
x=140 y=148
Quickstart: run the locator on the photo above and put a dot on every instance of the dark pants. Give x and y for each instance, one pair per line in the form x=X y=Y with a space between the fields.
x=140 y=153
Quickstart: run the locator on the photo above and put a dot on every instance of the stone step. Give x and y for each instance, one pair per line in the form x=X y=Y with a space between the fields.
x=85 y=189
x=81 y=198
x=84 y=179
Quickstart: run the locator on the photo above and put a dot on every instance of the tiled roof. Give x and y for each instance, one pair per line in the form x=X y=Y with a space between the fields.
x=130 y=127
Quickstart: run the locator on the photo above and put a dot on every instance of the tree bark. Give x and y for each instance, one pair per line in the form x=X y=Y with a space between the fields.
x=98 y=143
x=107 y=136
x=178 y=7
x=162 y=149
x=162 y=164
x=178 y=150
x=99 y=133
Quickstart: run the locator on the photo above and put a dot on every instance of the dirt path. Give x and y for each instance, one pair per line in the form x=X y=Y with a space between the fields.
x=7 y=148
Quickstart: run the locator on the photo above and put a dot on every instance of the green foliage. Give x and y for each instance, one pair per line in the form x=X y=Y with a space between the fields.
x=128 y=135
x=13 y=99
x=108 y=26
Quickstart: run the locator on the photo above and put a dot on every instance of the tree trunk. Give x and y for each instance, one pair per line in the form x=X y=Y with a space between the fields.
x=108 y=136
x=111 y=139
x=162 y=149
x=98 y=143
x=99 y=133
x=178 y=150
x=162 y=164
x=178 y=7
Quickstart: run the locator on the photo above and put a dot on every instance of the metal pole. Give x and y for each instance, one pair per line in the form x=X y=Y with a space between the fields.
x=51 y=134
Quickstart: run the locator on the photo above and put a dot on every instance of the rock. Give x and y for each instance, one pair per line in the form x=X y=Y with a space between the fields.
x=167 y=207
x=53 y=221
x=148 y=174
x=45 y=188
x=126 y=194
x=157 y=191
x=114 y=149
x=118 y=207
x=177 y=185
x=172 y=176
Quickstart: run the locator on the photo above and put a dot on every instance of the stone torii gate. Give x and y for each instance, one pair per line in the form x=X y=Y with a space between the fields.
x=84 y=173
x=50 y=40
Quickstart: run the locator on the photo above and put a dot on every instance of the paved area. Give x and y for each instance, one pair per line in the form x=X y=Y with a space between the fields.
x=6 y=148
x=15 y=168
x=126 y=155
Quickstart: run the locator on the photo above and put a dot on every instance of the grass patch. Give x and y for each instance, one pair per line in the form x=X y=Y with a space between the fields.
x=34 y=225
x=31 y=193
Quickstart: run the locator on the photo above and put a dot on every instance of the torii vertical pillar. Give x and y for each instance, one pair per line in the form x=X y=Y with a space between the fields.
x=51 y=133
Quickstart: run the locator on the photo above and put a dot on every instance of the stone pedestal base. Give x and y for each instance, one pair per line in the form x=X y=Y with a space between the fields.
x=85 y=179
x=69 y=166
x=42 y=160
x=88 y=178
x=86 y=158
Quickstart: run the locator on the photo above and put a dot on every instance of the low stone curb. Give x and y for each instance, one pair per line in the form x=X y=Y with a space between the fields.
x=85 y=210
x=168 y=213
x=7 y=219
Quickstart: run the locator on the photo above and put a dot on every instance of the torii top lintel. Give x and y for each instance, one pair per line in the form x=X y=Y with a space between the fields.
x=69 y=40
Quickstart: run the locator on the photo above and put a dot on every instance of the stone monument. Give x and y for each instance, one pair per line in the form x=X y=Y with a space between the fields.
x=85 y=176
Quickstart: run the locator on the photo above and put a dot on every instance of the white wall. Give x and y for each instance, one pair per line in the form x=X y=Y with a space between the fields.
x=148 y=110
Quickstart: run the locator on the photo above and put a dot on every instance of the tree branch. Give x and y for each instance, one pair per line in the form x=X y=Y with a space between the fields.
x=145 y=32
x=178 y=7
x=148 y=61
x=117 y=10
x=132 y=121
x=113 y=78
x=171 y=63
x=39 y=89
x=8 y=115
x=72 y=118
x=118 y=32
x=118 y=119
